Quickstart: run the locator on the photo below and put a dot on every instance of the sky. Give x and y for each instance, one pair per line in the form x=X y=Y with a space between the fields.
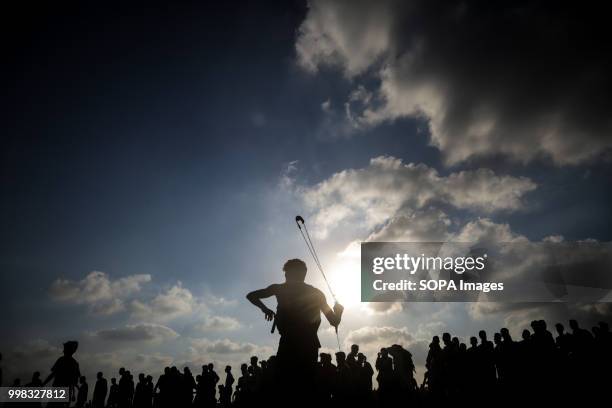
x=154 y=158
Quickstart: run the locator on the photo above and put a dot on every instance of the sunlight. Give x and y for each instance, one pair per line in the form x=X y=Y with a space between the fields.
x=345 y=279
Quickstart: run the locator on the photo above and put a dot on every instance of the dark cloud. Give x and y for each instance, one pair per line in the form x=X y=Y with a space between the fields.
x=523 y=79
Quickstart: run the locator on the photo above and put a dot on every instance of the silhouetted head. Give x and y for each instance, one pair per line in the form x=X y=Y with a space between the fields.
x=228 y=369
x=446 y=338
x=325 y=358
x=483 y=335
x=122 y=370
x=355 y=349
x=295 y=270
x=497 y=338
x=70 y=347
x=462 y=347
x=149 y=378
x=456 y=341
x=166 y=370
x=211 y=366
x=141 y=377
x=560 y=328
x=542 y=324
x=361 y=358
x=504 y=332
x=254 y=360
x=244 y=368
x=526 y=335
x=99 y=375
x=340 y=358
x=596 y=331
x=473 y=341
x=113 y=380
x=384 y=352
x=435 y=340
x=574 y=324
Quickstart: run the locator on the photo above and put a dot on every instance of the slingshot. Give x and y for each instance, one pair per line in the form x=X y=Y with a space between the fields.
x=301 y=224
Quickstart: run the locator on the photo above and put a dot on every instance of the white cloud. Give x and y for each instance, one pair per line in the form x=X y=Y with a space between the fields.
x=138 y=332
x=219 y=323
x=175 y=302
x=387 y=188
x=98 y=291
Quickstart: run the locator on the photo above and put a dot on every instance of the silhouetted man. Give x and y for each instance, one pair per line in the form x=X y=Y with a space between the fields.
x=113 y=394
x=65 y=372
x=298 y=317
x=351 y=358
x=100 y=390
x=83 y=391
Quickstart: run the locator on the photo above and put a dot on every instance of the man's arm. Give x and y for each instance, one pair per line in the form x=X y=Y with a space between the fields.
x=256 y=296
x=333 y=315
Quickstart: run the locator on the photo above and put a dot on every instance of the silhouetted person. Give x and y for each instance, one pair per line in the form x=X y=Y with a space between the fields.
x=83 y=388
x=384 y=366
x=139 y=393
x=113 y=394
x=229 y=382
x=65 y=372
x=100 y=390
x=164 y=387
x=485 y=351
x=351 y=358
x=326 y=378
x=187 y=386
x=365 y=374
x=35 y=382
x=298 y=317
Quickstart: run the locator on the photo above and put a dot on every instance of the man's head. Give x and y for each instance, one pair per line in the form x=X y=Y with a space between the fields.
x=355 y=349
x=361 y=358
x=254 y=360
x=99 y=375
x=340 y=358
x=70 y=347
x=574 y=324
x=295 y=270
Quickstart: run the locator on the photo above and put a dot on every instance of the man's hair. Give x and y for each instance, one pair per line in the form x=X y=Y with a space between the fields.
x=295 y=269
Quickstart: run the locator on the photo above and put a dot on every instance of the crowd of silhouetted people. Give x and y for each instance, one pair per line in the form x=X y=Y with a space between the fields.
x=558 y=367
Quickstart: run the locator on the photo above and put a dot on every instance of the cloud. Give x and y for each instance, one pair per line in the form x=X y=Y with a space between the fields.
x=380 y=336
x=388 y=188
x=219 y=323
x=138 y=332
x=204 y=346
x=520 y=79
x=383 y=308
x=174 y=302
x=97 y=290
